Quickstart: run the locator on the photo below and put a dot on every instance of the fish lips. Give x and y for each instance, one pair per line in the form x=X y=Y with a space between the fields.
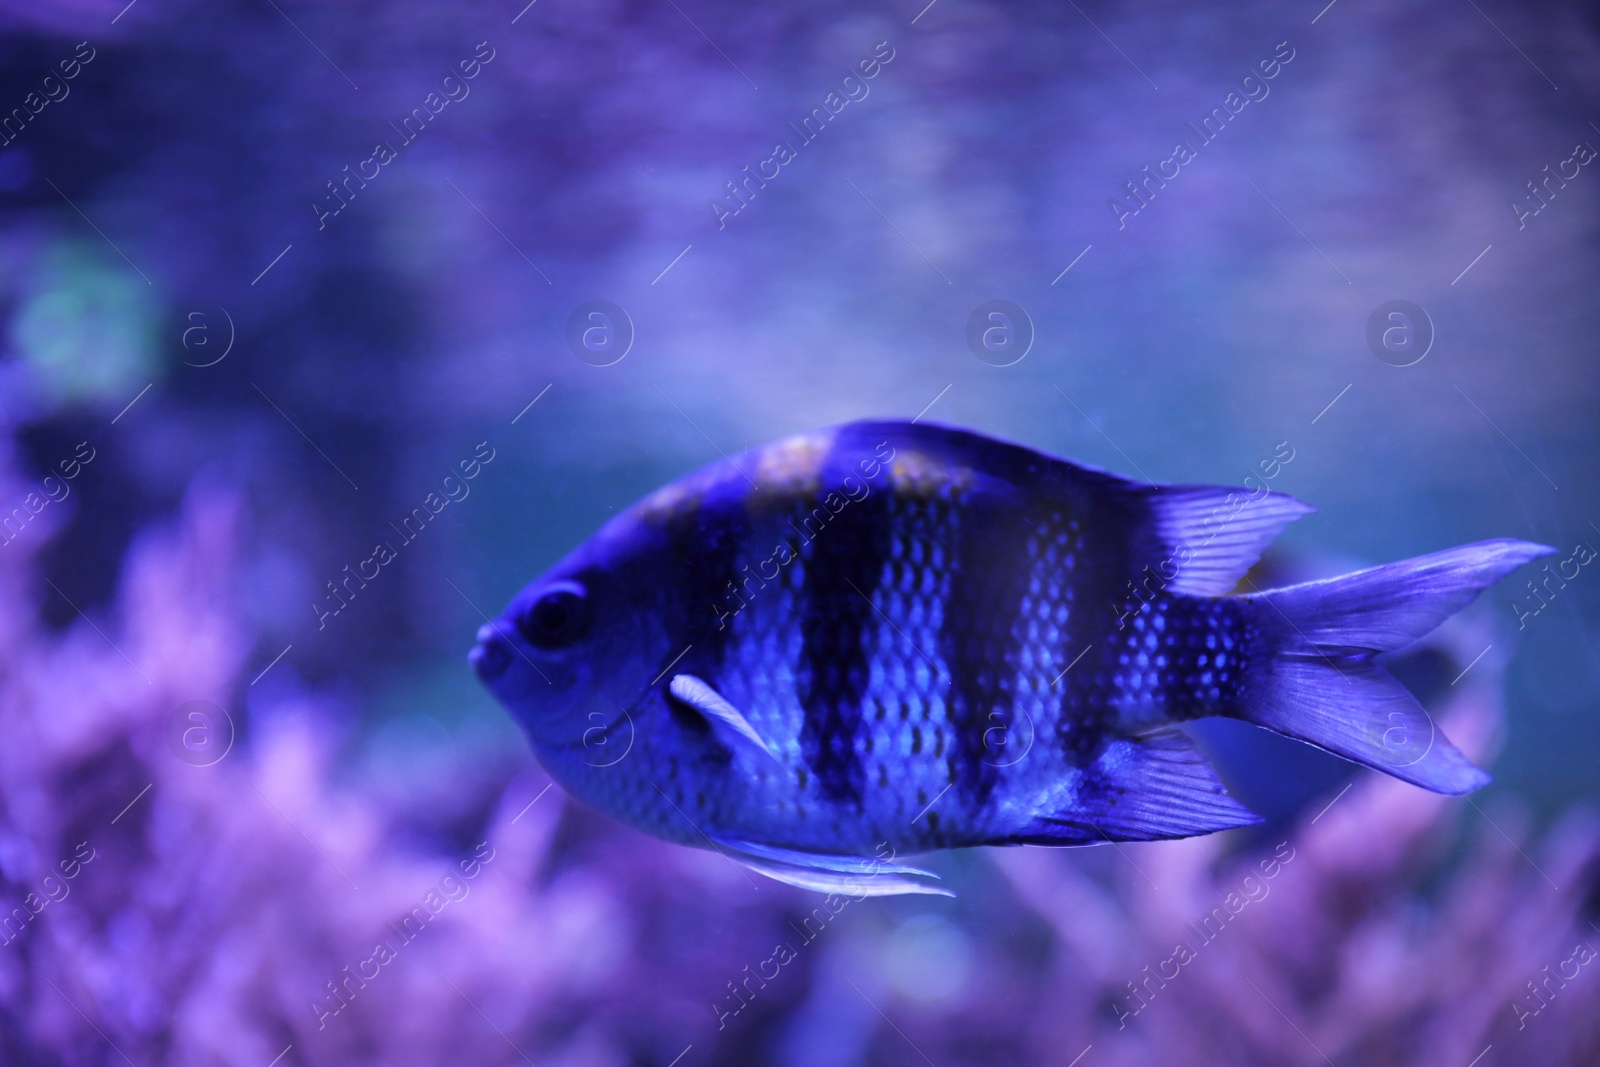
x=492 y=654
x=531 y=683
x=496 y=656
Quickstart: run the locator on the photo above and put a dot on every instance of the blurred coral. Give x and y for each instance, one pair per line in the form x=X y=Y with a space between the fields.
x=1339 y=956
x=231 y=912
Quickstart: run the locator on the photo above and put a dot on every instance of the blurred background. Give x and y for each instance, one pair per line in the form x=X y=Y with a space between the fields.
x=270 y=270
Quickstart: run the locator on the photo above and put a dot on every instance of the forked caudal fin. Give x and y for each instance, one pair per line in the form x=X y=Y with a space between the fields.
x=1321 y=685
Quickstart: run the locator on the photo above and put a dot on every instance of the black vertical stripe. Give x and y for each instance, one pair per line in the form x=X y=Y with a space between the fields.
x=980 y=637
x=844 y=561
x=1114 y=524
x=1185 y=692
x=704 y=541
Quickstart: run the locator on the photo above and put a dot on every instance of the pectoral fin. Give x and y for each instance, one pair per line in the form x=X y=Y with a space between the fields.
x=725 y=720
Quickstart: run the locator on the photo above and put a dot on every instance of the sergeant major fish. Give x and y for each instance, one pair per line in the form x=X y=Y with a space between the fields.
x=888 y=633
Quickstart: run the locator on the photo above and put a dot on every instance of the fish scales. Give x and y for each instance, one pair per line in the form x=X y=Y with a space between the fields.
x=906 y=658
x=937 y=683
x=916 y=661
x=905 y=636
x=845 y=563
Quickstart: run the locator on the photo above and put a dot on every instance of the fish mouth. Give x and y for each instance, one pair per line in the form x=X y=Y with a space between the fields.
x=491 y=655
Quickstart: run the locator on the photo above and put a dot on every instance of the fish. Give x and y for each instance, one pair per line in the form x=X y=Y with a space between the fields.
x=889 y=637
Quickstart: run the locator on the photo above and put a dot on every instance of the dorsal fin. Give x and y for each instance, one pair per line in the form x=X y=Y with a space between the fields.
x=725 y=720
x=1214 y=534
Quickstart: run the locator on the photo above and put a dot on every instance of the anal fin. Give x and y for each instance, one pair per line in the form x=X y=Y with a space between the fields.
x=1153 y=787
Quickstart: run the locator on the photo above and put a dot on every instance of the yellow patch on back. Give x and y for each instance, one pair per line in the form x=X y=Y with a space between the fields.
x=782 y=471
x=791 y=467
x=672 y=500
x=918 y=476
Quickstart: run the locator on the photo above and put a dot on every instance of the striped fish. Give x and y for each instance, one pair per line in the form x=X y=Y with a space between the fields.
x=888 y=637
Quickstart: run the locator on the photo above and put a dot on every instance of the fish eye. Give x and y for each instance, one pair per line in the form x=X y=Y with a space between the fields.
x=559 y=618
